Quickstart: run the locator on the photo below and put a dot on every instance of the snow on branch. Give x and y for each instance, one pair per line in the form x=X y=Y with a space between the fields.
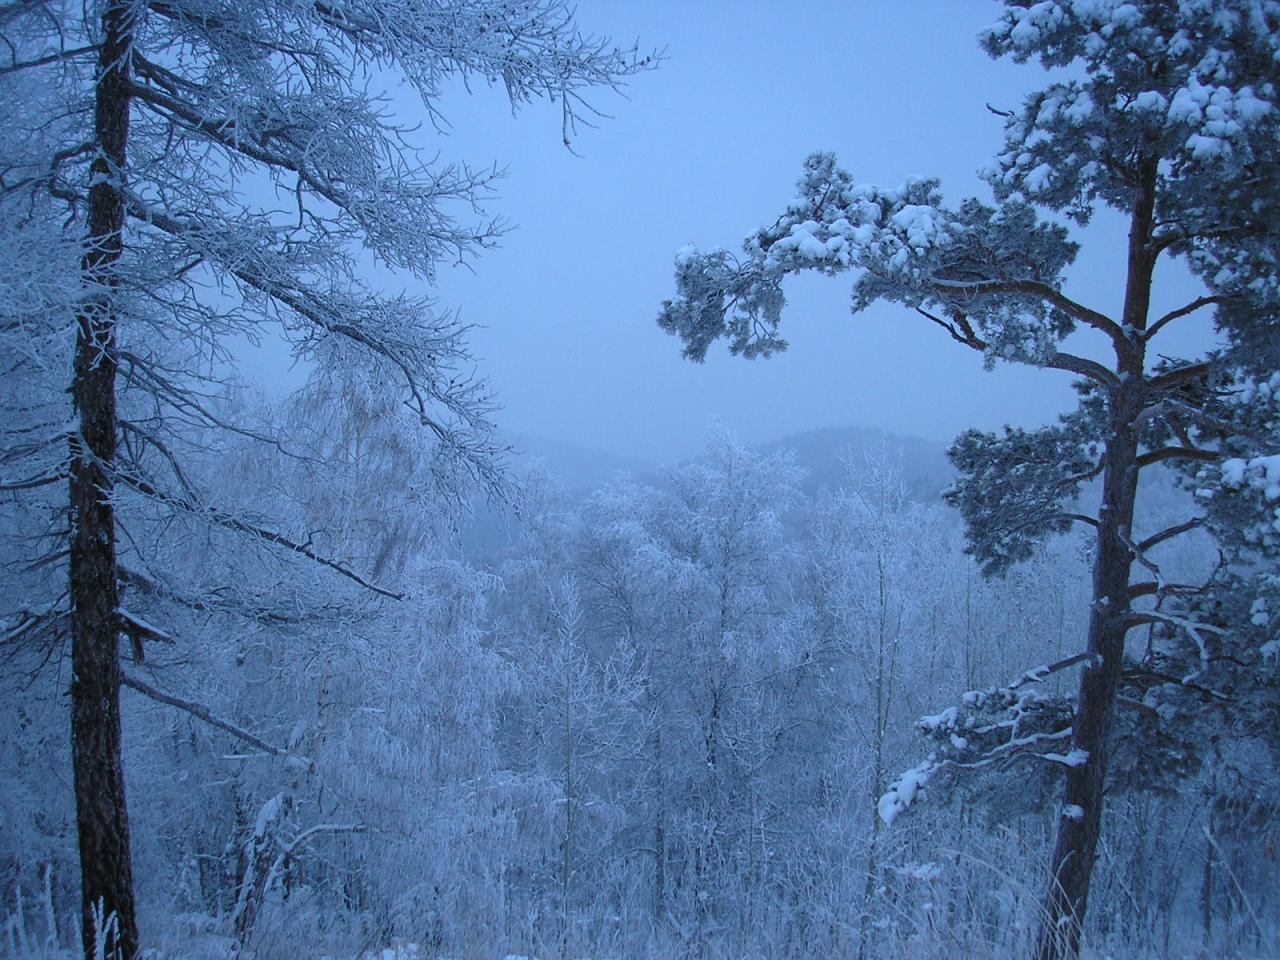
x=1038 y=674
x=138 y=630
x=998 y=725
x=134 y=625
x=898 y=798
x=1194 y=629
x=32 y=622
x=995 y=273
x=1072 y=758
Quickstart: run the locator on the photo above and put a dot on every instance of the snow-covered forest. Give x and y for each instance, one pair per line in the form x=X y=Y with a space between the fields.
x=342 y=671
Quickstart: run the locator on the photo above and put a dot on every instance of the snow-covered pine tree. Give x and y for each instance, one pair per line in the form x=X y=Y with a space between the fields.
x=1240 y=495
x=1231 y=697
x=1174 y=125
x=195 y=172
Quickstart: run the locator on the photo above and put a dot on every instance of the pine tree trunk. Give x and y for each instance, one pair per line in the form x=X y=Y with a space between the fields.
x=1078 y=833
x=101 y=815
x=1075 y=848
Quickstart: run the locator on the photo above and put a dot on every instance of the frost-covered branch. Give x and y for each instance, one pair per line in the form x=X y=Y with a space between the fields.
x=203 y=713
x=258 y=609
x=424 y=348
x=47 y=59
x=231 y=522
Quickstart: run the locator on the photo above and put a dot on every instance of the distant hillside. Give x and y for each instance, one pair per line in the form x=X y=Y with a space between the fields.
x=824 y=453
x=574 y=466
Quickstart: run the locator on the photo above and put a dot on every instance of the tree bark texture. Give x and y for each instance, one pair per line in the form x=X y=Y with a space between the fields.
x=1076 y=845
x=1077 y=838
x=101 y=815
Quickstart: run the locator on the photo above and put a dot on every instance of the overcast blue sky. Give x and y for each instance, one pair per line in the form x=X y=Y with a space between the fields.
x=705 y=149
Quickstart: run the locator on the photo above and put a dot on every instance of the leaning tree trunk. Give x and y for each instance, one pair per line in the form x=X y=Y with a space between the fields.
x=1080 y=823
x=101 y=816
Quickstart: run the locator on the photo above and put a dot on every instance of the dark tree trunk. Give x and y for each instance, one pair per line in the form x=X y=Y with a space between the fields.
x=101 y=816
x=1080 y=824
x=1077 y=840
